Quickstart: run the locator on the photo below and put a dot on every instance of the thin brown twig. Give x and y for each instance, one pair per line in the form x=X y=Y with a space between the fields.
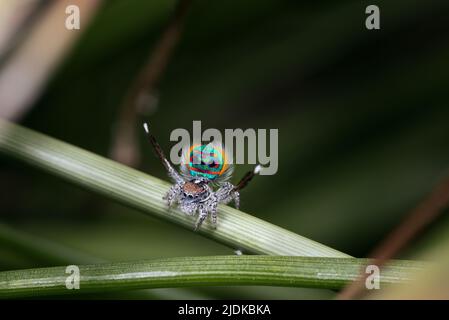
x=124 y=145
x=426 y=212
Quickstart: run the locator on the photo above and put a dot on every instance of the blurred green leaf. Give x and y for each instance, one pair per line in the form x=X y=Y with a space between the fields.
x=330 y=273
x=39 y=249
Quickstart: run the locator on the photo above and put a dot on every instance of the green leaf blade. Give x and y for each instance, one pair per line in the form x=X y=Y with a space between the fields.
x=143 y=192
x=307 y=272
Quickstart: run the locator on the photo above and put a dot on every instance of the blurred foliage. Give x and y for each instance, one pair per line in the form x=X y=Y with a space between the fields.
x=362 y=118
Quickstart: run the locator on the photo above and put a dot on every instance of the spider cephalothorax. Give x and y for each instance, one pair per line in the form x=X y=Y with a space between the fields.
x=203 y=168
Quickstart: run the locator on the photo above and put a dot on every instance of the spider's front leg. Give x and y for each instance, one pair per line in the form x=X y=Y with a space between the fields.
x=173 y=194
x=202 y=210
x=228 y=193
x=212 y=205
x=208 y=207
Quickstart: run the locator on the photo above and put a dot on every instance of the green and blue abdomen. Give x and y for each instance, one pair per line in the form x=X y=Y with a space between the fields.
x=206 y=161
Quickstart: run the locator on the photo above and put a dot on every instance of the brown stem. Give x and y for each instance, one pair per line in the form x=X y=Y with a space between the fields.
x=124 y=146
x=426 y=212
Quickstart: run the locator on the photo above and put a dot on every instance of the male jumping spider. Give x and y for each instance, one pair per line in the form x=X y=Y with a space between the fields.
x=203 y=168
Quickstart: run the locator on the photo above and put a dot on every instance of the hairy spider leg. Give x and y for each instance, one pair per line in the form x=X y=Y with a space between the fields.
x=214 y=214
x=170 y=170
x=226 y=193
x=202 y=215
x=247 y=178
x=173 y=194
